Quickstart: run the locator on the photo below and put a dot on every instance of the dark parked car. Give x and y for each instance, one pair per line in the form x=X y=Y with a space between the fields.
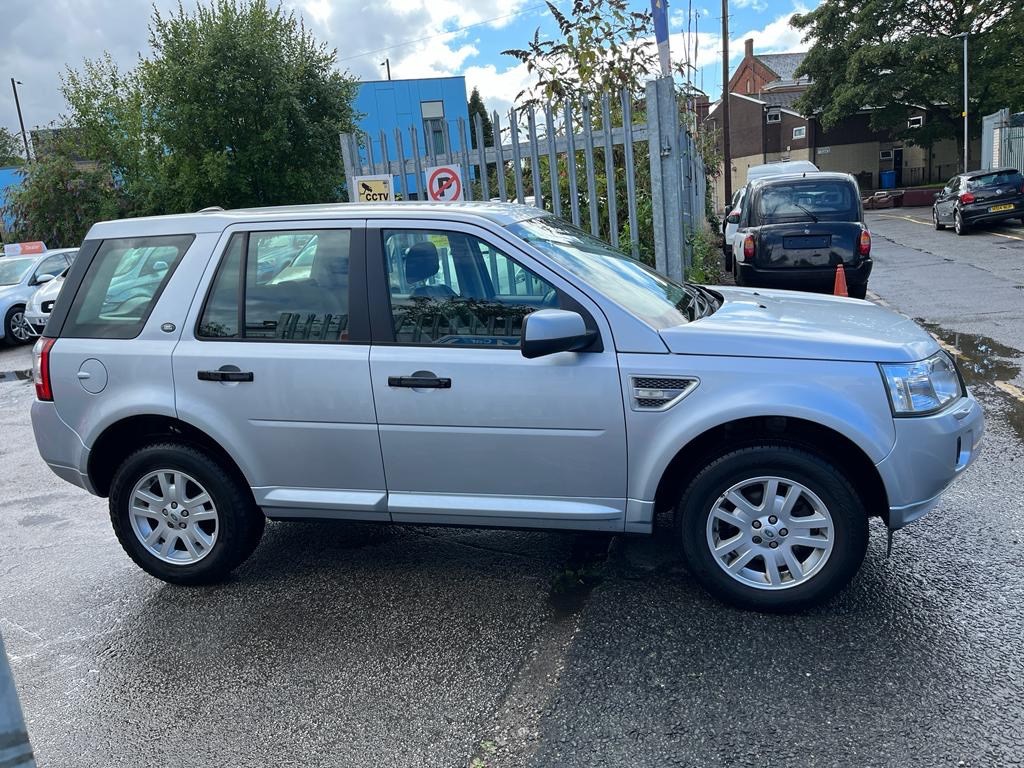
x=979 y=196
x=794 y=231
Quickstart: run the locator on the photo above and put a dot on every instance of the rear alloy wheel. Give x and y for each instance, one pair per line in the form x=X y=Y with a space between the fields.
x=772 y=528
x=935 y=220
x=16 y=328
x=180 y=516
x=958 y=224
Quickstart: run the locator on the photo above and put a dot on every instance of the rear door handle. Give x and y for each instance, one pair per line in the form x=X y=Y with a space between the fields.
x=224 y=375
x=419 y=382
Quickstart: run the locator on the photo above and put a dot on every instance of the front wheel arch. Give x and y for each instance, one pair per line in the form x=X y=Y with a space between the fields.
x=724 y=438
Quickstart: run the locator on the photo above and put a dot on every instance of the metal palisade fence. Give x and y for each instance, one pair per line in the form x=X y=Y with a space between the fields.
x=622 y=168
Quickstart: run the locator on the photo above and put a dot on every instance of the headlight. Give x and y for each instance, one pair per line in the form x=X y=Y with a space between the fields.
x=924 y=387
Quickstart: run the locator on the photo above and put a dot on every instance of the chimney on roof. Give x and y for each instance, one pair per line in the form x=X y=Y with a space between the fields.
x=748 y=48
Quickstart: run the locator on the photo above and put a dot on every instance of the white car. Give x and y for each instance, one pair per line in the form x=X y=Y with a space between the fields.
x=730 y=224
x=39 y=306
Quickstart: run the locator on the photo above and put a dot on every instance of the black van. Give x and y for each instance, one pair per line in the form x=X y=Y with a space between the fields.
x=796 y=229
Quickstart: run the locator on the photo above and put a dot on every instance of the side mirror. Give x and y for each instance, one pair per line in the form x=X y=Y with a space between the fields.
x=733 y=218
x=44 y=278
x=547 y=331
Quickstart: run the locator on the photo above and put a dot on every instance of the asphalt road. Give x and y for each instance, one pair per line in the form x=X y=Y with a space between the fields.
x=346 y=645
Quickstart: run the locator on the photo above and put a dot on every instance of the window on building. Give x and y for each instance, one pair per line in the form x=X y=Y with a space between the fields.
x=750 y=85
x=885 y=154
x=774 y=116
x=915 y=122
x=800 y=132
x=433 y=125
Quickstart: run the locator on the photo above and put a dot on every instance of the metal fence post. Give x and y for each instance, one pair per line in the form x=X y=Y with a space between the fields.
x=666 y=177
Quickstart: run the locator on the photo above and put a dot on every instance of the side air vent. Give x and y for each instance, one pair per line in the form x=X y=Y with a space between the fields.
x=659 y=393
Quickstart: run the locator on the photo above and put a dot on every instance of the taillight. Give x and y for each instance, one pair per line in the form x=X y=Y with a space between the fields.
x=864 y=244
x=41 y=368
x=967 y=198
x=748 y=248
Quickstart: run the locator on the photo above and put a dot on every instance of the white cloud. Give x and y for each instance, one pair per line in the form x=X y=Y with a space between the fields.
x=776 y=37
x=756 y=5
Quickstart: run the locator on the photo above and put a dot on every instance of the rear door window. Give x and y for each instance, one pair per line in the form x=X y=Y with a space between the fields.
x=123 y=284
x=807 y=200
x=295 y=288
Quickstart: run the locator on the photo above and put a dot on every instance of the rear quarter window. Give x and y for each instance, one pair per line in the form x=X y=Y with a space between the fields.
x=122 y=285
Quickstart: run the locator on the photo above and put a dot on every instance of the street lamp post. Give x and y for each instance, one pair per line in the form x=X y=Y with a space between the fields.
x=963 y=35
x=21 y=121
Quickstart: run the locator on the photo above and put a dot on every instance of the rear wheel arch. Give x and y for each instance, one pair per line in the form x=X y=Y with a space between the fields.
x=836 y=448
x=122 y=438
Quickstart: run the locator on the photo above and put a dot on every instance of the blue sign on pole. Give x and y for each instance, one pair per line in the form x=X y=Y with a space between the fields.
x=659 y=11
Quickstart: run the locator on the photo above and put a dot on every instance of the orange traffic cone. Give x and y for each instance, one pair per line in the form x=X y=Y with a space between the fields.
x=840 y=287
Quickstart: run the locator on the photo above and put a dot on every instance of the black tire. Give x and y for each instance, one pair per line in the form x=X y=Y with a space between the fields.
x=958 y=224
x=849 y=520
x=858 y=291
x=935 y=220
x=240 y=524
x=737 y=274
x=727 y=250
x=9 y=320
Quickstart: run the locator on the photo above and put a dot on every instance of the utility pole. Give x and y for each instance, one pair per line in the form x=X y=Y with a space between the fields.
x=726 y=150
x=387 y=63
x=21 y=120
x=966 y=144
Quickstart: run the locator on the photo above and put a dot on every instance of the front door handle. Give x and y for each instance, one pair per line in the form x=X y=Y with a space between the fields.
x=224 y=375
x=419 y=381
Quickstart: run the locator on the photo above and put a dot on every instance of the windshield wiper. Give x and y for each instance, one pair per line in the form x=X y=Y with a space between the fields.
x=813 y=217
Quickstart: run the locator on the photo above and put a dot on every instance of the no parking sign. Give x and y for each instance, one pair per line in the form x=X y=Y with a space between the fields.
x=444 y=183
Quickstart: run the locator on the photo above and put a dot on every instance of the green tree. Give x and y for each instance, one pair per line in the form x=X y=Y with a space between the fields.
x=58 y=200
x=476 y=107
x=896 y=55
x=246 y=105
x=602 y=47
x=11 y=148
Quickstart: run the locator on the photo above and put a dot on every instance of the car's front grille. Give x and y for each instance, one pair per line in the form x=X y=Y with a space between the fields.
x=659 y=393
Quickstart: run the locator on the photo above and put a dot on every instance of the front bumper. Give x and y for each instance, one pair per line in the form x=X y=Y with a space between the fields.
x=929 y=454
x=60 y=446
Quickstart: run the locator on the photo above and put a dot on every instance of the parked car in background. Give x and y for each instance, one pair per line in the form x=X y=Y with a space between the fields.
x=781 y=168
x=795 y=230
x=755 y=172
x=729 y=224
x=20 y=277
x=486 y=364
x=979 y=197
x=38 y=309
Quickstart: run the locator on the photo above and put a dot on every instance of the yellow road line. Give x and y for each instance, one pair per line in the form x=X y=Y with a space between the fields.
x=1013 y=391
x=908 y=218
x=1010 y=237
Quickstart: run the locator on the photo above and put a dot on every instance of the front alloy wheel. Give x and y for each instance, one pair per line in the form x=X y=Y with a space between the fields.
x=770 y=533
x=772 y=527
x=935 y=220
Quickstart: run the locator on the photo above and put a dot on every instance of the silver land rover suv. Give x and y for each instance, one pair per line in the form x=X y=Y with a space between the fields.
x=485 y=365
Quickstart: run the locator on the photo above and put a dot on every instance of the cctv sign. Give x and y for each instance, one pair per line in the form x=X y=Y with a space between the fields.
x=374 y=189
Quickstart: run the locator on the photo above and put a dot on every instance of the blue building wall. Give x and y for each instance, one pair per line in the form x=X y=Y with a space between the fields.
x=390 y=104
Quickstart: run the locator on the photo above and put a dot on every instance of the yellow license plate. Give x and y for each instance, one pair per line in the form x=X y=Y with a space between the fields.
x=995 y=208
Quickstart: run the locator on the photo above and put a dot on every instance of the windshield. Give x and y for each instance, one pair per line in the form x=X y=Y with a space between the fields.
x=652 y=297
x=13 y=270
x=807 y=200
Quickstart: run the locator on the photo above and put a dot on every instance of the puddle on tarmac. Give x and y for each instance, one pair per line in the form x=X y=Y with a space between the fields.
x=15 y=375
x=982 y=360
x=985 y=361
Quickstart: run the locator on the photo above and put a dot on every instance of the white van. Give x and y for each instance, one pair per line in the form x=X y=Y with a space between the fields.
x=776 y=169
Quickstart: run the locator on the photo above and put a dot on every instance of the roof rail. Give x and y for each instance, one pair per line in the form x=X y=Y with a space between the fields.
x=210 y=209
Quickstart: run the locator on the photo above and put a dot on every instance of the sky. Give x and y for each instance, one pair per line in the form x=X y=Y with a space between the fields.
x=421 y=38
